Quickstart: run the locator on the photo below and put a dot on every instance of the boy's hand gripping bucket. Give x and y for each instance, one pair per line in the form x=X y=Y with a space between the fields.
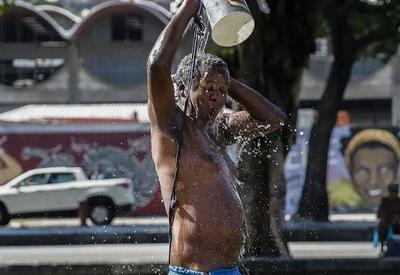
x=231 y=21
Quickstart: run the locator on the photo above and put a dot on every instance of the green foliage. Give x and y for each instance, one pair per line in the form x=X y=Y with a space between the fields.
x=230 y=56
x=4 y=4
x=375 y=27
x=322 y=26
x=43 y=2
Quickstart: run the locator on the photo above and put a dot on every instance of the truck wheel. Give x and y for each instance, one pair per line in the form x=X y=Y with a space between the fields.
x=4 y=217
x=101 y=212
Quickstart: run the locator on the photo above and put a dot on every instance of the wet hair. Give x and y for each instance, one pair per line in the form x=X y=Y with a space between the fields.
x=204 y=62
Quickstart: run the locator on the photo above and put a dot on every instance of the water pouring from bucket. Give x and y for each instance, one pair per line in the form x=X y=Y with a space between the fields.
x=231 y=21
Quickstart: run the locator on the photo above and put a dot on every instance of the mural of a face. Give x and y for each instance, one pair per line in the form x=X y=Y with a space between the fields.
x=372 y=169
x=372 y=157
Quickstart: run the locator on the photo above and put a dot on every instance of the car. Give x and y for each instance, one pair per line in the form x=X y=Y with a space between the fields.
x=58 y=191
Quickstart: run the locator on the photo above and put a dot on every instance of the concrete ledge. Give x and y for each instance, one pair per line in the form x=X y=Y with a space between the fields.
x=262 y=266
x=294 y=231
x=84 y=235
x=329 y=231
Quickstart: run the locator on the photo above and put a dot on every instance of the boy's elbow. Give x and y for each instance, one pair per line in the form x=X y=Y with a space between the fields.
x=155 y=65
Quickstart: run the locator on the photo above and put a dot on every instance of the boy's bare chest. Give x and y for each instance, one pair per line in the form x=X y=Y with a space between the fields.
x=203 y=157
x=200 y=155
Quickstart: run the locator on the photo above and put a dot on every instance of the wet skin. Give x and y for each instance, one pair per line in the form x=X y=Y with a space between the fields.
x=372 y=170
x=209 y=224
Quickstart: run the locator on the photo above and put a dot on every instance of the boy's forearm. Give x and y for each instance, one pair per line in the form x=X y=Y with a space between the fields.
x=168 y=42
x=257 y=105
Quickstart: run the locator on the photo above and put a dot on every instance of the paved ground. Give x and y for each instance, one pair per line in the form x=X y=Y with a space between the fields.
x=157 y=253
x=55 y=222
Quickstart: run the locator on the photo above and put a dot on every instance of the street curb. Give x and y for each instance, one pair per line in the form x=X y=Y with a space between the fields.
x=294 y=232
x=329 y=231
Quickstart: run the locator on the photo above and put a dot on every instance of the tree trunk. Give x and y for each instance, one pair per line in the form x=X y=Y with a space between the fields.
x=271 y=62
x=314 y=204
x=263 y=236
x=254 y=164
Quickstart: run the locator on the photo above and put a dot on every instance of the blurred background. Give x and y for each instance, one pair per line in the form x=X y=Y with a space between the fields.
x=73 y=94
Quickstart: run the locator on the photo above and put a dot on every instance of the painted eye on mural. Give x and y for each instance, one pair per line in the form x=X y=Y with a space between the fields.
x=385 y=171
x=362 y=172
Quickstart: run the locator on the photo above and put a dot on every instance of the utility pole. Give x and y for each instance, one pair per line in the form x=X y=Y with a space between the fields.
x=73 y=72
x=396 y=90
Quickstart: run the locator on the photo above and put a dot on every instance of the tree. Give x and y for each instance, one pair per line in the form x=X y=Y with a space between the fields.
x=43 y=2
x=4 y=4
x=272 y=61
x=357 y=29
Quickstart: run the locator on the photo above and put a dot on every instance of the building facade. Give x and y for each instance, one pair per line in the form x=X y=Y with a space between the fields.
x=52 y=56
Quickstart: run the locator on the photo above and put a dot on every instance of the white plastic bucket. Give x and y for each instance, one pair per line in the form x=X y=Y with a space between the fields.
x=231 y=21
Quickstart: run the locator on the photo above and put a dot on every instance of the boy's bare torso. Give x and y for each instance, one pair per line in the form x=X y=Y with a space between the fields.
x=209 y=221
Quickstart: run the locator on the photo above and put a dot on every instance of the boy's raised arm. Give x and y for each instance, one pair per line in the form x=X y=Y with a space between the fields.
x=260 y=116
x=161 y=101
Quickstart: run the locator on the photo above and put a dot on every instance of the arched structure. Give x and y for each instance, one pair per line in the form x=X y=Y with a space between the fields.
x=30 y=41
x=63 y=17
x=101 y=57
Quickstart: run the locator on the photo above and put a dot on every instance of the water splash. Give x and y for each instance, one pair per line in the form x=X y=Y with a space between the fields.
x=204 y=31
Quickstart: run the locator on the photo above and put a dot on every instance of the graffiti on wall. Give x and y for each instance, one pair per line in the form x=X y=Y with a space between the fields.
x=111 y=161
x=113 y=155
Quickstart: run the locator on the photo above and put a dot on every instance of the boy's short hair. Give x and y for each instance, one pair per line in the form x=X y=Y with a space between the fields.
x=204 y=62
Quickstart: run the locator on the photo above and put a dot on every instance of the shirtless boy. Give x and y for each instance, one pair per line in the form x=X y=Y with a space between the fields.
x=207 y=232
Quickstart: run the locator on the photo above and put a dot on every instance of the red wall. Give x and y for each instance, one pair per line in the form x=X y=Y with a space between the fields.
x=33 y=149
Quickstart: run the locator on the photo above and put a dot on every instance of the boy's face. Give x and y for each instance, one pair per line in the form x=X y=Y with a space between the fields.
x=372 y=169
x=210 y=93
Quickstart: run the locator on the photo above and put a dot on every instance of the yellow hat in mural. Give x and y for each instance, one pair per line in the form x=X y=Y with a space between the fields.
x=372 y=135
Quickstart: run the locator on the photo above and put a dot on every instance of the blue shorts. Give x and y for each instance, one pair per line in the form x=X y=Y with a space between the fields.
x=176 y=270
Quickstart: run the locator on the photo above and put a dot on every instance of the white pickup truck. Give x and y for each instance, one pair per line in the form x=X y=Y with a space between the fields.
x=57 y=191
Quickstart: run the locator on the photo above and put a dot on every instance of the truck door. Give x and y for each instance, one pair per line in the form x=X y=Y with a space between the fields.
x=31 y=196
x=63 y=192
